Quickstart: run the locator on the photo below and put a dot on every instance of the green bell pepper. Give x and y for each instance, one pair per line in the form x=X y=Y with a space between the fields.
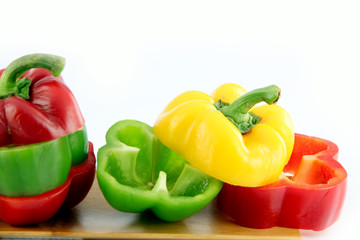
x=32 y=169
x=136 y=172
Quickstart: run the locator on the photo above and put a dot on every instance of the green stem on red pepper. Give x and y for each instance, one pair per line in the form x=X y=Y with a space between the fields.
x=11 y=85
x=238 y=111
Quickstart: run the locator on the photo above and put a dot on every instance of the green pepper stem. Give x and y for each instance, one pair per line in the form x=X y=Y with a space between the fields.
x=238 y=111
x=244 y=103
x=9 y=83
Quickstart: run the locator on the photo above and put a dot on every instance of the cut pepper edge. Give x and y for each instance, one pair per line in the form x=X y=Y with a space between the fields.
x=40 y=208
x=288 y=203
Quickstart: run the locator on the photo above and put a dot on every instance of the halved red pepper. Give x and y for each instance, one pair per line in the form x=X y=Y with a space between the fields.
x=309 y=194
x=36 y=104
x=39 y=208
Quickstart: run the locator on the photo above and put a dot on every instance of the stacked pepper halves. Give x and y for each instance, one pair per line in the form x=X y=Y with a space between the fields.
x=199 y=146
x=46 y=160
x=268 y=181
x=309 y=196
x=210 y=134
x=272 y=177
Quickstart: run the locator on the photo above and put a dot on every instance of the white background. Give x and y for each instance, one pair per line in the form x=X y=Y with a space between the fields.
x=128 y=59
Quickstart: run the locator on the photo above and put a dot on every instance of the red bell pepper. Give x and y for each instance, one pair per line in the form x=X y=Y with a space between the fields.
x=309 y=194
x=39 y=208
x=48 y=109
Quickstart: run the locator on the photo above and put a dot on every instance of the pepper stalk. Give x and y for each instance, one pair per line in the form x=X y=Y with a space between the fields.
x=12 y=85
x=238 y=111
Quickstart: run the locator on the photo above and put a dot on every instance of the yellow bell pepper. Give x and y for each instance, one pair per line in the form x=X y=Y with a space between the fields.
x=226 y=136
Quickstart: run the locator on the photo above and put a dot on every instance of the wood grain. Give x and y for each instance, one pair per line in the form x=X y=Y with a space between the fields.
x=95 y=218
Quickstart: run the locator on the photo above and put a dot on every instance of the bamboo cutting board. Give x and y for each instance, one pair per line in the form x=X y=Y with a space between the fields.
x=95 y=218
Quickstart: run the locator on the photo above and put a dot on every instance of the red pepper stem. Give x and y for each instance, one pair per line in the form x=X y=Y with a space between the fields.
x=238 y=111
x=11 y=85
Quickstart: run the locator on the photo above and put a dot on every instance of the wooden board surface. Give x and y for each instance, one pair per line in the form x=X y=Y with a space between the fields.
x=95 y=218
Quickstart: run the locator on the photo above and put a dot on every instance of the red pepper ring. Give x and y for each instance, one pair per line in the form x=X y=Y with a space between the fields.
x=309 y=194
x=40 y=208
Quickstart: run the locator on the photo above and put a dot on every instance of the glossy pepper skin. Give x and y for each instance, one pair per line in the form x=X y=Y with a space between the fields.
x=205 y=133
x=39 y=208
x=311 y=198
x=42 y=108
x=43 y=140
x=33 y=169
x=136 y=172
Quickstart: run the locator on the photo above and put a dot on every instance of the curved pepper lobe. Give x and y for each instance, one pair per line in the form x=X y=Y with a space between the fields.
x=136 y=172
x=308 y=195
x=228 y=92
x=51 y=112
x=37 y=74
x=192 y=126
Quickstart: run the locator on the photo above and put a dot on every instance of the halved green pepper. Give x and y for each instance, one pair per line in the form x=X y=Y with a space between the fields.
x=33 y=169
x=137 y=172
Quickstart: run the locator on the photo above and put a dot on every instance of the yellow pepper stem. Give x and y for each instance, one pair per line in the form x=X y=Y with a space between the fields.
x=238 y=111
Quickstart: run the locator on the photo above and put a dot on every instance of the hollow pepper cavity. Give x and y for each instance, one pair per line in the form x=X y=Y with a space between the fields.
x=226 y=136
x=136 y=172
x=44 y=148
x=308 y=195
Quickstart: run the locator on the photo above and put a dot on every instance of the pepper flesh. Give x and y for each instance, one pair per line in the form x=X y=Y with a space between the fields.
x=308 y=195
x=40 y=208
x=192 y=126
x=137 y=172
x=43 y=142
